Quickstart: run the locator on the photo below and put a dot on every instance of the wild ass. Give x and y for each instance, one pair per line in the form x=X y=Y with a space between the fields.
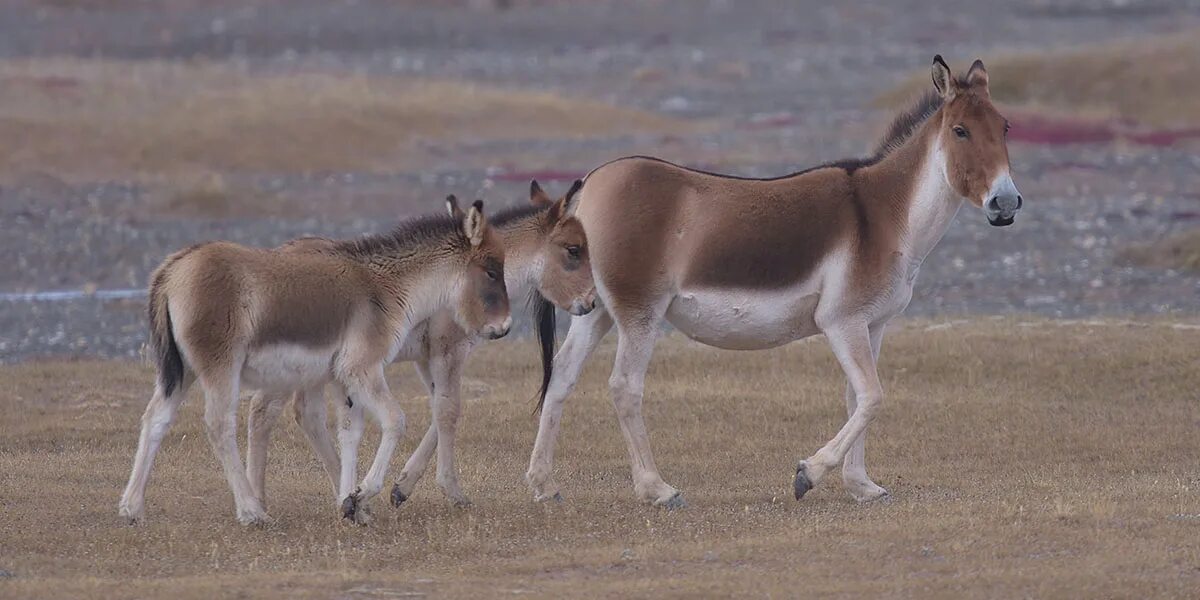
x=746 y=264
x=228 y=315
x=546 y=258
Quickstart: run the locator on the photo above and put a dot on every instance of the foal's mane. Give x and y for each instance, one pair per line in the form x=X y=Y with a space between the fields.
x=411 y=233
x=519 y=212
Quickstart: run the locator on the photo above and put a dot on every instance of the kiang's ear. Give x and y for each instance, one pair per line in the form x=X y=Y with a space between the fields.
x=943 y=79
x=977 y=77
x=474 y=223
x=569 y=202
x=537 y=196
x=452 y=207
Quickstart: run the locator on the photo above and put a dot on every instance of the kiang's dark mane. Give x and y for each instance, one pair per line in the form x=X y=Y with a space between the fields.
x=408 y=234
x=512 y=214
x=903 y=127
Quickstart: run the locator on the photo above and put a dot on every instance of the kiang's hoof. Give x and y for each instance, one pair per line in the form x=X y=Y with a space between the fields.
x=802 y=483
x=350 y=506
x=398 y=497
x=675 y=502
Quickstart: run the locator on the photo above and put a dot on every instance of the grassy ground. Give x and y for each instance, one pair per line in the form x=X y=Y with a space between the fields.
x=1147 y=80
x=1035 y=459
x=96 y=118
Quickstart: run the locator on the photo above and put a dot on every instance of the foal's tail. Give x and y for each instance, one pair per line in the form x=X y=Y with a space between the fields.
x=162 y=336
x=543 y=314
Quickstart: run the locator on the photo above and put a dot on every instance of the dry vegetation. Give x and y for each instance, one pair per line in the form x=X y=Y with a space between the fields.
x=1147 y=80
x=1179 y=251
x=1035 y=459
x=104 y=119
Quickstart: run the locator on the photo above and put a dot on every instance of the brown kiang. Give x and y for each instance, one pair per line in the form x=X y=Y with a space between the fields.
x=745 y=264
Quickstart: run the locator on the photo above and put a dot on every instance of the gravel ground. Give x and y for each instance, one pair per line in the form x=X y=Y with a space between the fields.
x=806 y=73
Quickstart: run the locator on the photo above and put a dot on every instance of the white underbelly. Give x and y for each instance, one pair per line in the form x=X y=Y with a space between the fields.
x=745 y=319
x=287 y=367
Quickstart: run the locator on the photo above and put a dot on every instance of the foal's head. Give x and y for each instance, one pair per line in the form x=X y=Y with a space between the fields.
x=481 y=307
x=973 y=137
x=566 y=277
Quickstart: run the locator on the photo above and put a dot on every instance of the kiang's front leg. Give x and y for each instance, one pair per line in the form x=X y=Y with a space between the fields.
x=851 y=345
x=415 y=467
x=854 y=467
x=371 y=391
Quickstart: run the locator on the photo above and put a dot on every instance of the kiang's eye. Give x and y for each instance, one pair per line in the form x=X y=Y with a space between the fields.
x=493 y=274
x=573 y=251
x=1007 y=126
x=960 y=131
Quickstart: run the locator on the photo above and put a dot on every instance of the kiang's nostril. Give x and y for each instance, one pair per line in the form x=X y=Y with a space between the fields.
x=1020 y=201
x=993 y=204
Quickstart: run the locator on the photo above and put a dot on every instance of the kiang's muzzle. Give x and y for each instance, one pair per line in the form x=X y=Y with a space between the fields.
x=1003 y=202
x=495 y=332
x=583 y=306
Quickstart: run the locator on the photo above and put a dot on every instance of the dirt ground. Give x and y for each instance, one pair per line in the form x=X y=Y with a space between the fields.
x=1026 y=458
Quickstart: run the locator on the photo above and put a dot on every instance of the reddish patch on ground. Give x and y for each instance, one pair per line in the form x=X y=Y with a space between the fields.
x=541 y=175
x=1054 y=131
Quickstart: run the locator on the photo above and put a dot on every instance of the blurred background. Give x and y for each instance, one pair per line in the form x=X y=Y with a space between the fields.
x=131 y=128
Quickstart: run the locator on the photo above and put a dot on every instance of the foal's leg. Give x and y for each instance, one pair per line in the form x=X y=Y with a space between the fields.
x=351 y=420
x=634 y=349
x=308 y=408
x=264 y=413
x=372 y=391
x=447 y=380
x=585 y=334
x=414 y=469
x=157 y=419
x=220 y=415
x=854 y=467
x=852 y=347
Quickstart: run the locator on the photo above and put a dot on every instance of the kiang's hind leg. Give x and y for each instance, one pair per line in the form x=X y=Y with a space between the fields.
x=156 y=421
x=260 y=421
x=851 y=345
x=639 y=330
x=854 y=467
x=220 y=415
x=447 y=410
x=585 y=334
x=308 y=408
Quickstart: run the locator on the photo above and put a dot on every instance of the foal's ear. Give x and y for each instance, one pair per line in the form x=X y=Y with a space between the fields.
x=537 y=196
x=567 y=205
x=943 y=79
x=452 y=207
x=474 y=223
x=977 y=77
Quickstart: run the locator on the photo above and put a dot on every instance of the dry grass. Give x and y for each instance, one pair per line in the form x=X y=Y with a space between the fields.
x=1179 y=251
x=1149 y=80
x=105 y=118
x=1026 y=460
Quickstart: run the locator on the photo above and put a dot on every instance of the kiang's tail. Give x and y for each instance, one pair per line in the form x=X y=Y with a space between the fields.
x=543 y=316
x=162 y=336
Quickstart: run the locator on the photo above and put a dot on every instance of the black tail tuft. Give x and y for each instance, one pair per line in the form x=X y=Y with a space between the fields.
x=170 y=363
x=543 y=314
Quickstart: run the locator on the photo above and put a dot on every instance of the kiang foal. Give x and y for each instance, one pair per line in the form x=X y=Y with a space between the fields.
x=230 y=316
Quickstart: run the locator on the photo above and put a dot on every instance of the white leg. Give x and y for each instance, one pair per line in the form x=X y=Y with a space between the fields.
x=585 y=334
x=854 y=467
x=263 y=414
x=447 y=377
x=220 y=415
x=372 y=391
x=852 y=347
x=351 y=420
x=309 y=411
x=414 y=469
x=634 y=349
x=156 y=420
